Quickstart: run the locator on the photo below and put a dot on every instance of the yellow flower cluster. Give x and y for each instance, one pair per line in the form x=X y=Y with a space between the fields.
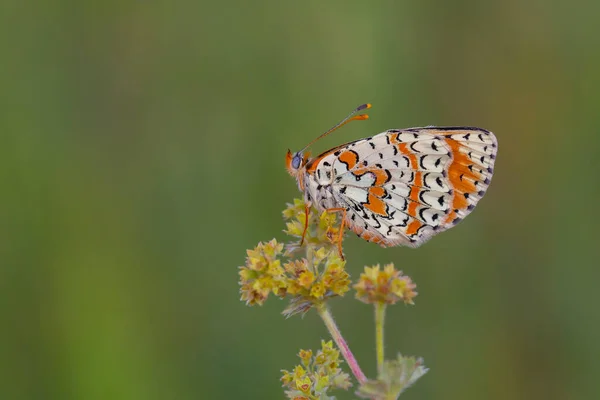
x=322 y=228
x=308 y=281
x=262 y=273
x=312 y=281
x=316 y=374
x=387 y=286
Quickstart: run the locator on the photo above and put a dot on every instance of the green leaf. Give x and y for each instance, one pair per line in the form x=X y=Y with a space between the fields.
x=397 y=376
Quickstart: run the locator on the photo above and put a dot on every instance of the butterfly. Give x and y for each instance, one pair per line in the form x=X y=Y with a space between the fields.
x=401 y=186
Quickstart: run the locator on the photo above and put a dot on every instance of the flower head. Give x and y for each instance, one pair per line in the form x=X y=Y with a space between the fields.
x=316 y=375
x=386 y=286
x=262 y=273
x=308 y=281
x=322 y=229
x=313 y=280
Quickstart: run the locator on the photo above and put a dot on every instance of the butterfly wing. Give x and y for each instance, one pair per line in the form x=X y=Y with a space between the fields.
x=401 y=187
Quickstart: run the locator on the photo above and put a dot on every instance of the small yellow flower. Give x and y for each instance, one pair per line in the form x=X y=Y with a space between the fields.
x=286 y=378
x=294 y=228
x=305 y=356
x=274 y=268
x=304 y=384
x=306 y=279
x=299 y=372
x=295 y=267
x=317 y=290
x=293 y=288
x=321 y=359
x=294 y=210
x=328 y=357
x=386 y=286
x=320 y=255
x=335 y=277
x=322 y=383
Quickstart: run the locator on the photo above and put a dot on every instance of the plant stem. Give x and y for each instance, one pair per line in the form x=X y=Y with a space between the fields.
x=379 y=322
x=341 y=343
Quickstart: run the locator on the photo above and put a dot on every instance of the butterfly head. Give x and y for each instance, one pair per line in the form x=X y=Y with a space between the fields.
x=294 y=162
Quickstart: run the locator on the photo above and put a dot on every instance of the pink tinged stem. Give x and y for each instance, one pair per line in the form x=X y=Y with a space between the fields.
x=379 y=321
x=341 y=343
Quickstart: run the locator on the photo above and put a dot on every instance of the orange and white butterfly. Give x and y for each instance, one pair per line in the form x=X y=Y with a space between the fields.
x=399 y=187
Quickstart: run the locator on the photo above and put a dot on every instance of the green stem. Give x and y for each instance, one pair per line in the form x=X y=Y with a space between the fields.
x=379 y=322
x=341 y=343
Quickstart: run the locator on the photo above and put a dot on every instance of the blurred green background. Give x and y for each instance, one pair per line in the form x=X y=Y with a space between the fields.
x=142 y=152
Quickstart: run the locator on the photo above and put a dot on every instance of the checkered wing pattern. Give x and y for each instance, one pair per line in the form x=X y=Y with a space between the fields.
x=401 y=187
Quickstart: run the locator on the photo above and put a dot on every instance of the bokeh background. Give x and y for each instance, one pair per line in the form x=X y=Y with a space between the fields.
x=142 y=149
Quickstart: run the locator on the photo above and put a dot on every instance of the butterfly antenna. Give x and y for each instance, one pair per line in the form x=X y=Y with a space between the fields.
x=350 y=117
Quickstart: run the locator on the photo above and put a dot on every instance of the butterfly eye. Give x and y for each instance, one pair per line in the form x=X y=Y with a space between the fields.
x=297 y=160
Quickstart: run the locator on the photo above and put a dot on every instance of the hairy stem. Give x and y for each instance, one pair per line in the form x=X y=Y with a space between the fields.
x=379 y=323
x=341 y=343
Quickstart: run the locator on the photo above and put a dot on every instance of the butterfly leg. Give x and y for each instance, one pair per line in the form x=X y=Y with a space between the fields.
x=306 y=212
x=342 y=226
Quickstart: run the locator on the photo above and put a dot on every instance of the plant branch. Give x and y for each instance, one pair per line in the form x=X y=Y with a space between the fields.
x=341 y=343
